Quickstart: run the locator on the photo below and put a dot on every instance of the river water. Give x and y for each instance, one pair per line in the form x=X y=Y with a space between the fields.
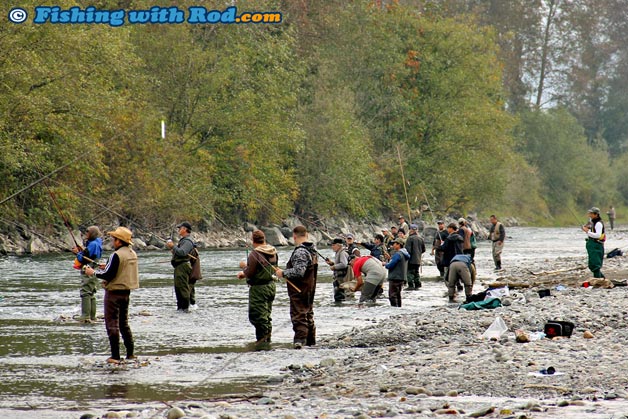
x=52 y=366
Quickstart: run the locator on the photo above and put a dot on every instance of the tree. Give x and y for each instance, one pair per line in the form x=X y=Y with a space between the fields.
x=573 y=173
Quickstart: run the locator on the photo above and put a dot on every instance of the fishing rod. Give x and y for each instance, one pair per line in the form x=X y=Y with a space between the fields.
x=65 y=220
x=578 y=219
x=428 y=202
x=39 y=180
x=107 y=209
x=403 y=178
x=55 y=171
x=41 y=236
x=325 y=258
x=269 y=265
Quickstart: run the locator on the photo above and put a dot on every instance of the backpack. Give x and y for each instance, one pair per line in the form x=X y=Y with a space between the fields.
x=195 y=261
x=615 y=252
x=474 y=242
x=558 y=328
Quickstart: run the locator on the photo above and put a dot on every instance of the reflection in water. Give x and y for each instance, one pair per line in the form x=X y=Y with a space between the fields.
x=49 y=360
x=116 y=391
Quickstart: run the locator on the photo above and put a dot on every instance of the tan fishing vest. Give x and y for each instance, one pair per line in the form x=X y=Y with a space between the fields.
x=128 y=277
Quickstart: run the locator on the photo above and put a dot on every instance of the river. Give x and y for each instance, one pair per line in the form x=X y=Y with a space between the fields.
x=52 y=365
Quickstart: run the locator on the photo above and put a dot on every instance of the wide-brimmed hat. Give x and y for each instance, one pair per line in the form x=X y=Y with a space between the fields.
x=594 y=210
x=398 y=241
x=337 y=241
x=122 y=233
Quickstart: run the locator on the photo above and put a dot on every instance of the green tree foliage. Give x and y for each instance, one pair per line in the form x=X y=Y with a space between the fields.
x=228 y=94
x=310 y=115
x=53 y=108
x=573 y=173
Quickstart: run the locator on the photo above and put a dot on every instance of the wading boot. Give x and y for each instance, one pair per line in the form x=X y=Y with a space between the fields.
x=114 y=343
x=311 y=336
x=86 y=308
x=92 y=309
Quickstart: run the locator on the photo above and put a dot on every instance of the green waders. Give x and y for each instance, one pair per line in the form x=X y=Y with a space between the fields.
x=261 y=299
x=595 y=249
x=89 y=285
x=413 y=276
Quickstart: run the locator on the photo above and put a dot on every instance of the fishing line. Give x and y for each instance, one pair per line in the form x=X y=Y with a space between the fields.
x=65 y=220
x=107 y=209
x=41 y=236
x=39 y=180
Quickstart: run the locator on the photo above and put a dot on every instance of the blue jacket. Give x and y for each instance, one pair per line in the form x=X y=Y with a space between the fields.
x=398 y=265
x=93 y=251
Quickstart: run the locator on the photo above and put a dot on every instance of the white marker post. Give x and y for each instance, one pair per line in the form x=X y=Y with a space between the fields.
x=163 y=129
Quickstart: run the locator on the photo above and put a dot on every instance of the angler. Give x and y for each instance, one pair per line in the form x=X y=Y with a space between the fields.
x=89 y=284
x=259 y=271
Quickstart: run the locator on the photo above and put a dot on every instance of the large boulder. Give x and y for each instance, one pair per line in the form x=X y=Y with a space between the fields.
x=249 y=227
x=428 y=234
x=36 y=246
x=274 y=236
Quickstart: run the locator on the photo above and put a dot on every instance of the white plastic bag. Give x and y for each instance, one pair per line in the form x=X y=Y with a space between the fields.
x=496 y=329
x=497 y=292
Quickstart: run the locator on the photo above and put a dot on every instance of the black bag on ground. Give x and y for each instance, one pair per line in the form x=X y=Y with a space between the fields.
x=615 y=252
x=558 y=328
x=476 y=297
x=195 y=261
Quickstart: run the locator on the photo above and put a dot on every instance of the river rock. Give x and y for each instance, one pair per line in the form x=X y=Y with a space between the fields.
x=36 y=246
x=249 y=227
x=286 y=231
x=175 y=413
x=274 y=236
x=482 y=412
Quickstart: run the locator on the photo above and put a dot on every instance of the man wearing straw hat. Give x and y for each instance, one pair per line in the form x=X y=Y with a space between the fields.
x=120 y=275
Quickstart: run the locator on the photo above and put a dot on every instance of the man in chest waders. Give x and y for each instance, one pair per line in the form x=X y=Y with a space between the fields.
x=259 y=271
x=301 y=270
x=89 y=284
x=183 y=290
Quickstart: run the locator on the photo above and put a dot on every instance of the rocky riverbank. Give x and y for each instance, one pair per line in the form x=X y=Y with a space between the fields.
x=418 y=365
x=23 y=240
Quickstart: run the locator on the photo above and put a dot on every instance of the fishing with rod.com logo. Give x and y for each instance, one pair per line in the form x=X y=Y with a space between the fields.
x=155 y=15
